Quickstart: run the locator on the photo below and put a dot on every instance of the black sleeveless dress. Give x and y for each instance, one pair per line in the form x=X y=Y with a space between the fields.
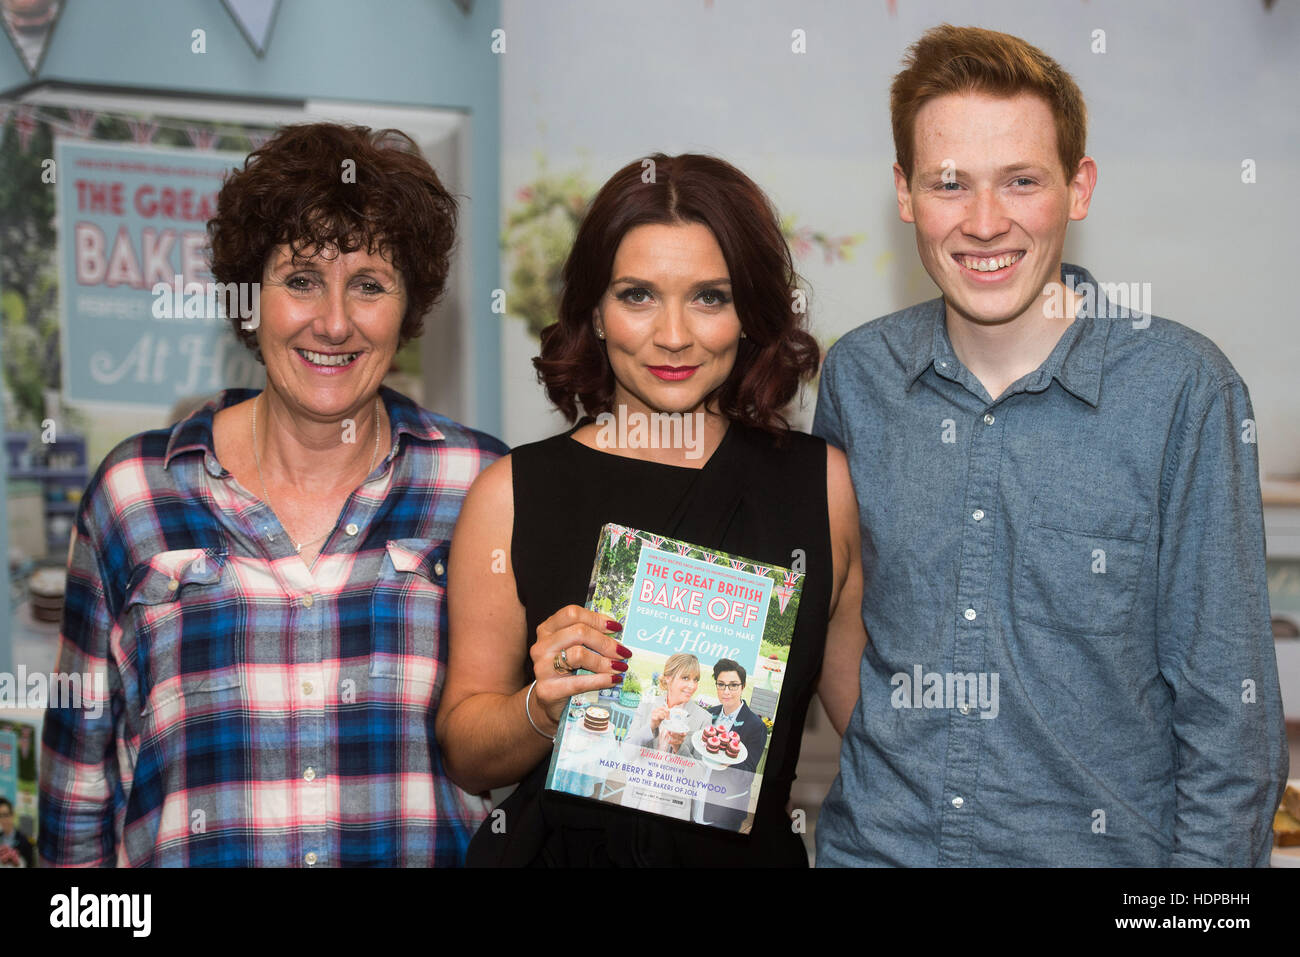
x=753 y=498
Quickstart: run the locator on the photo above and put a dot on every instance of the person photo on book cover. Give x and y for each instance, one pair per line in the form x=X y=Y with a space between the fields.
x=279 y=554
x=679 y=306
x=733 y=714
x=728 y=804
x=655 y=725
x=16 y=848
x=1073 y=527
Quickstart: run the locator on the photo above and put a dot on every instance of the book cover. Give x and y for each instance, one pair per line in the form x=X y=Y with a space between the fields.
x=20 y=737
x=686 y=735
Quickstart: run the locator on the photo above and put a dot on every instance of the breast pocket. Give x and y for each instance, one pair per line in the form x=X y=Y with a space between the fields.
x=179 y=607
x=1077 y=571
x=408 y=611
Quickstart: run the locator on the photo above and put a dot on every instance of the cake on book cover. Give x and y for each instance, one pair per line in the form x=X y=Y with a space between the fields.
x=686 y=735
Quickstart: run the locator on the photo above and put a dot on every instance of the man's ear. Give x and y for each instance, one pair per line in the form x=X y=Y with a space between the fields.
x=1081 y=187
x=904 y=195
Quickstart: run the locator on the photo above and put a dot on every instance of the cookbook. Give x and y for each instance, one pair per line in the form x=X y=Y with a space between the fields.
x=686 y=734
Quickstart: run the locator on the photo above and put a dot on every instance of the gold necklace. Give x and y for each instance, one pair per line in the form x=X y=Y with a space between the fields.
x=266 y=496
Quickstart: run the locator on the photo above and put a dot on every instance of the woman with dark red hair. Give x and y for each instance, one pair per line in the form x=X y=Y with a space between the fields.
x=680 y=299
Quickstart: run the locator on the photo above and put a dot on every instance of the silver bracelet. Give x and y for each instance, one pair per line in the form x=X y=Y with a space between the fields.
x=528 y=712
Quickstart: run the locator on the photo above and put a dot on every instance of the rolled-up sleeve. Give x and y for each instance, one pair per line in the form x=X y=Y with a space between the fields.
x=1215 y=642
x=79 y=778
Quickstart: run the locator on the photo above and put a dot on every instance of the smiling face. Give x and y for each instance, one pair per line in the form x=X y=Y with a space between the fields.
x=670 y=326
x=729 y=690
x=329 y=329
x=682 y=686
x=991 y=203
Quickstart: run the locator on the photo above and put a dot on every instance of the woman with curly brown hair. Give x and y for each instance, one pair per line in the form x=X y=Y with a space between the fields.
x=679 y=300
x=264 y=582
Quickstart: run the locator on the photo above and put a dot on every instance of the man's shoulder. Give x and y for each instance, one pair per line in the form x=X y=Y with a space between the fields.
x=893 y=331
x=1165 y=351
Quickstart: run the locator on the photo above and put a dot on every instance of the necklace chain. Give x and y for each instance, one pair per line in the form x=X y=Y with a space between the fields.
x=266 y=497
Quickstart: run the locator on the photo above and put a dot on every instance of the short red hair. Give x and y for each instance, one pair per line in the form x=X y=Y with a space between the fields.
x=950 y=59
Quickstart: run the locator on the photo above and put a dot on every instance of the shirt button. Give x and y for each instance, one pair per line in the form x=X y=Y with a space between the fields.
x=307 y=601
x=438 y=569
x=978 y=514
x=310 y=858
x=309 y=774
x=988 y=418
x=173 y=585
x=957 y=801
x=308 y=687
x=351 y=528
x=969 y=613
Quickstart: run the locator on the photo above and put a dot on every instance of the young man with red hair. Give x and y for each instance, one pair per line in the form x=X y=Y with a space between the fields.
x=1070 y=659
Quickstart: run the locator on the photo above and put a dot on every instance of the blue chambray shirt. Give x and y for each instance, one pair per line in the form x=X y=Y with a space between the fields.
x=1070 y=659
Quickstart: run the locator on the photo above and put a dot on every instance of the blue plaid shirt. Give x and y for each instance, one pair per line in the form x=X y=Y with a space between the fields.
x=1070 y=659
x=257 y=713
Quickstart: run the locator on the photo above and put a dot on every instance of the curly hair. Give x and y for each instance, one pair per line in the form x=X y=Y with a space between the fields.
x=777 y=352
x=321 y=185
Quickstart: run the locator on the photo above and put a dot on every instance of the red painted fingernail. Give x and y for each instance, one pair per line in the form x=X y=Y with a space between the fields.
x=611 y=625
x=618 y=665
x=618 y=679
x=625 y=652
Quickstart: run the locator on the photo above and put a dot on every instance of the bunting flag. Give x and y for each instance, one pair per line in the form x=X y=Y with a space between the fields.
x=760 y=570
x=142 y=131
x=783 y=596
x=30 y=25
x=785 y=591
x=656 y=540
x=83 y=122
x=25 y=124
x=683 y=548
x=201 y=139
x=254 y=19
x=628 y=537
x=737 y=564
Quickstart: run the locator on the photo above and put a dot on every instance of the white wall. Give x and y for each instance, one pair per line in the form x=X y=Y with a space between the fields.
x=1184 y=92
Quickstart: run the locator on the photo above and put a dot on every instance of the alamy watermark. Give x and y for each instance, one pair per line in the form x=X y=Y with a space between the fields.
x=651 y=430
x=965 y=691
x=1105 y=300
x=78 y=690
x=208 y=300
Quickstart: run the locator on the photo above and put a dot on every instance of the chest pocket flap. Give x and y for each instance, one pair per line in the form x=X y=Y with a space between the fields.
x=408 y=611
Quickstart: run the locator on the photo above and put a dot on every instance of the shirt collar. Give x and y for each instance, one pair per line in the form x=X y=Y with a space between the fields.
x=1076 y=362
x=195 y=433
